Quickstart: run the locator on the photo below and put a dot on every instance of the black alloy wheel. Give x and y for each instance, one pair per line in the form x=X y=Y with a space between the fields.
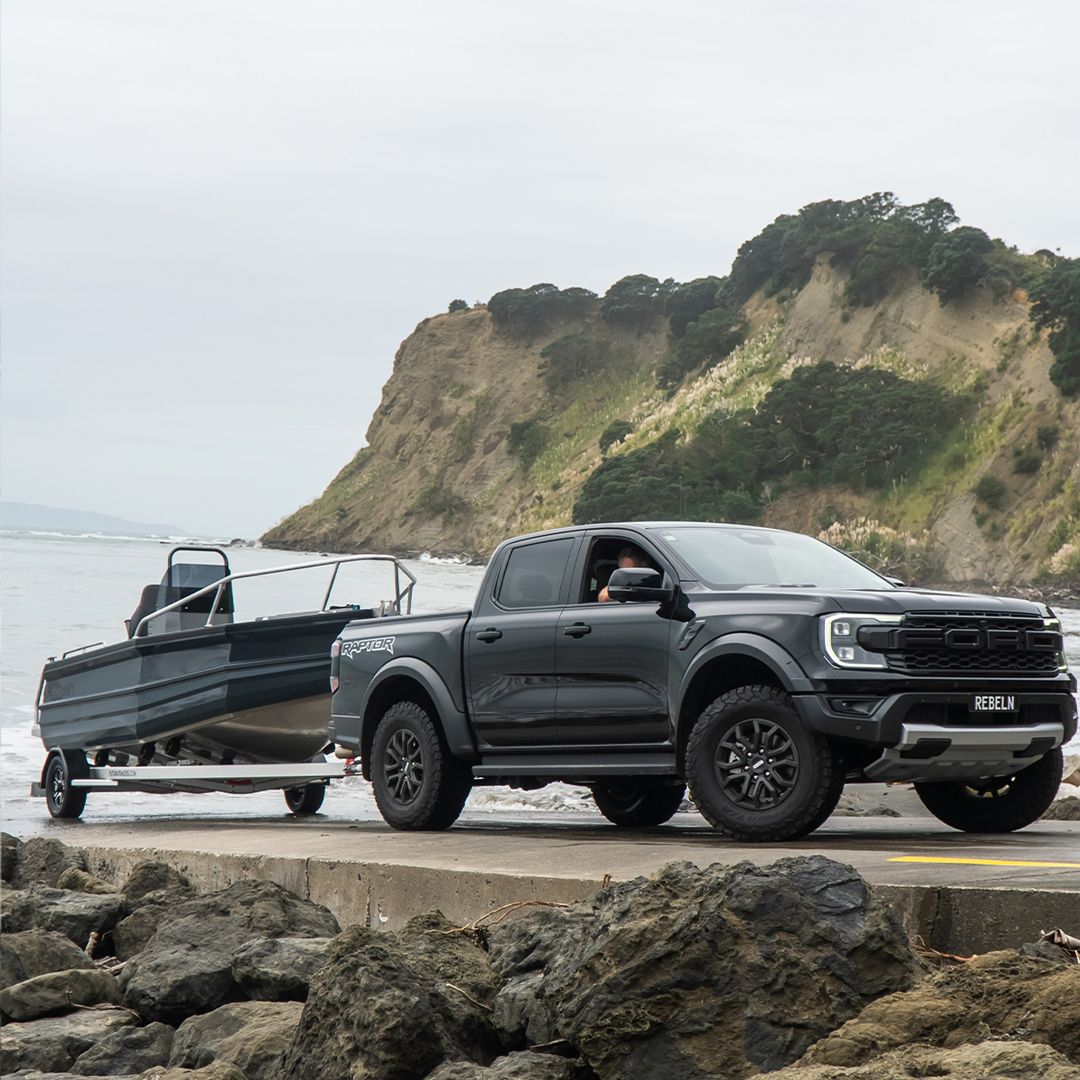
x=998 y=804
x=755 y=772
x=418 y=783
x=63 y=800
x=305 y=799
x=640 y=805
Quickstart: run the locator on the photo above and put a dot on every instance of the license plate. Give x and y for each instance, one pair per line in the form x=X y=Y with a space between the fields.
x=994 y=703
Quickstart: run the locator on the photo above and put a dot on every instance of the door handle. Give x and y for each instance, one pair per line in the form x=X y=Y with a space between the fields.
x=490 y=634
x=578 y=629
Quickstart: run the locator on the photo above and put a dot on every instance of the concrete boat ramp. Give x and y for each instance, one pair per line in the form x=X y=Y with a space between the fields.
x=960 y=893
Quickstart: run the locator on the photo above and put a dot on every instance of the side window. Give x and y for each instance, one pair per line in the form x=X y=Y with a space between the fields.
x=605 y=556
x=534 y=574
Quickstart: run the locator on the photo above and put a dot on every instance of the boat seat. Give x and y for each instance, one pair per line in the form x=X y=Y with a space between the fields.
x=147 y=604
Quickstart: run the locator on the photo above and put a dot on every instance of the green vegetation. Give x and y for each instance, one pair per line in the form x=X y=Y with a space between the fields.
x=825 y=424
x=689 y=301
x=1047 y=436
x=634 y=301
x=528 y=440
x=572 y=357
x=705 y=341
x=1056 y=307
x=990 y=490
x=457 y=305
x=1026 y=461
x=615 y=432
x=436 y=499
x=525 y=313
x=956 y=262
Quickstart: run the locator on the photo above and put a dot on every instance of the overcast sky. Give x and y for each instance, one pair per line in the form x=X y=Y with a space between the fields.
x=221 y=217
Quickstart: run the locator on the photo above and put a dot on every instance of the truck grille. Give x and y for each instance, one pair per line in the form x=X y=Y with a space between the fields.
x=974 y=642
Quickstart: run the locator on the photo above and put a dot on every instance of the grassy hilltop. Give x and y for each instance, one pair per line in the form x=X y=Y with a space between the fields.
x=871 y=372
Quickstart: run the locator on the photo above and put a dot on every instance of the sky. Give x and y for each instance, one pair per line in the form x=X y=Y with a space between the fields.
x=221 y=217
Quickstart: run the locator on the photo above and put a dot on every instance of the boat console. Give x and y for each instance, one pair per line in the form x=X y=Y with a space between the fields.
x=181 y=580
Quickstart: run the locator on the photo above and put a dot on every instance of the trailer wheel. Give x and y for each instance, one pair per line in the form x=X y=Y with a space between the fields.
x=998 y=805
x=63 y=800
x=624 y=802
x=418 y=784
x=306 y=799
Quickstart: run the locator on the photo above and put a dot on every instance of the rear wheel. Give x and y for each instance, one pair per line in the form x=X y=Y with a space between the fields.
x=999 y=804
x=306 y=799
x=418 y=784
x=755 y=772
x=626 y=802
x=63 y=800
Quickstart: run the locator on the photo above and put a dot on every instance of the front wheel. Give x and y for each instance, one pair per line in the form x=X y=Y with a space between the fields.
x=63 y=800
x=624 y=802
x=755 y=772
x=306 y=799
x=418 y=784
x=999 y=804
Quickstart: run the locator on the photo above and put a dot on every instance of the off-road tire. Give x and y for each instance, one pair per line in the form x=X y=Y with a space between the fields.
x=435 y=798
x=807 y=772
x=306 y=799
x=632 y=803
x=998 y=805
x=63 y=800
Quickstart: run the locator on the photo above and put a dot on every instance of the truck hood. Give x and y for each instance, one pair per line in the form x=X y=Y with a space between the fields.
x=896 y=601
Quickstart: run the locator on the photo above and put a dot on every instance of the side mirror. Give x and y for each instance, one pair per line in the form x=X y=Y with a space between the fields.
x=639 y=583
x=896 y=581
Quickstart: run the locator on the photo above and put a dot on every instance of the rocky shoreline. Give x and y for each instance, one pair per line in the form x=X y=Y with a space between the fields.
x=795 y=970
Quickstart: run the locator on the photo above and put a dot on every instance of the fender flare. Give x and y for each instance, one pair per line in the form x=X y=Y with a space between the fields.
x=71 y=759
x=455 y=723
x=766 y=651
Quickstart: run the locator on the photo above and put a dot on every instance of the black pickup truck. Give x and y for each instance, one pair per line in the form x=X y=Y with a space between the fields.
x=762 y=668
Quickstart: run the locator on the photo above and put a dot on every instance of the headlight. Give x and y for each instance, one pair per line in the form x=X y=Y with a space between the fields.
x=839 y=639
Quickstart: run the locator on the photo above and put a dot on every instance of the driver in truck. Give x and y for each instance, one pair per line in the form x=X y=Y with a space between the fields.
x=628 y=557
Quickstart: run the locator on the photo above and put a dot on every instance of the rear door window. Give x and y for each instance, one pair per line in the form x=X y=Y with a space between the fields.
x=534 y=574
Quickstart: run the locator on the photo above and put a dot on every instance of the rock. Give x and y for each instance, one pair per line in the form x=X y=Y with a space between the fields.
x=42 y=861
x=58 y=991
x=383 y=1007
x=218 y=1070
x=131 y=934
x=990 y=1060
x=9 y=856
x=80 y=881
x=1011 y=995
x=53 y=1044
x=1067 y=809
x=694 y=973
x=521 y=1065
x=270 y=969
x=252 y=1035
x=186 y=967
x=74 y=914
x=129 y=1050
x=35 y=952
x=154 y=876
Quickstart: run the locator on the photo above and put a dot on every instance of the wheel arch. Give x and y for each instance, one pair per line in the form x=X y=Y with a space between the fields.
x=725 y=664
x=410 y=679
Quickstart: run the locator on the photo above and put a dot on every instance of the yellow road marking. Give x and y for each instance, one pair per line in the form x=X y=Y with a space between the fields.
x=984 y=862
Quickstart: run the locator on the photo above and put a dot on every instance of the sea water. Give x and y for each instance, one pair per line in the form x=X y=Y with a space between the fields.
x=61 y=591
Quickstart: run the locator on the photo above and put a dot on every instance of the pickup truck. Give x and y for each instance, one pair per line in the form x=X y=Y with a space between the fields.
x=760 y=668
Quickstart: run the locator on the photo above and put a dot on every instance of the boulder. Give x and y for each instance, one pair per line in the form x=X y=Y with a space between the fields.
x=53 y=1044
x=154 y=876
x=74 y=914
x=278 y=969
x=521 y=1065
x=131 y=934
x=58 y=991
x=1014 y=996
x=724 y=971
x=990 y=1060
x=9 y=856
x=217 y=1070
x=1067 y=809
x=129 y=1050
x=42 y=861
x=393 y=1006
x=186 y=966
x=35 y=952
x=253 y=1035
x=80 y=881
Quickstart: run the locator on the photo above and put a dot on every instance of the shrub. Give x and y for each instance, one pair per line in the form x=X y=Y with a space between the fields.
x=957 y=262
x=529 y=312
x=1047 y=436
x=707 y=340
x=689 y=301
x=528 y=439
x=990 y=490
x=1056 y=307
x=1026 y=462
x=615 y=432
x=437 y=500
x=457 y=305
x=885 y=549
x=572 y=357
x=633 y=301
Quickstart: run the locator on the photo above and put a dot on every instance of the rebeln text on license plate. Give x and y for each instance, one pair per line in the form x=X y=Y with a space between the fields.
x=995 y=703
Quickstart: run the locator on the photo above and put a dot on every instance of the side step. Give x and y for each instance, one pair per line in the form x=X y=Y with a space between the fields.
x=575 y=766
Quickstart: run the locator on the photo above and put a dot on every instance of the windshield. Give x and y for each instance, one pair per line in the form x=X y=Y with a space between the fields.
x=730 y=558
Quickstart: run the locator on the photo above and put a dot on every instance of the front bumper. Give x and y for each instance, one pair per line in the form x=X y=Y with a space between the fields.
x=932 y=736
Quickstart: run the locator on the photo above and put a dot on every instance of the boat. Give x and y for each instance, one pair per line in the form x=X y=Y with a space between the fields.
x=194 y=699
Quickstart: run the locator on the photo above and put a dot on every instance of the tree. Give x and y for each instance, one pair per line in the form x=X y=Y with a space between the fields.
x=571 y=357
x=1056 y=307
x=615 y=432
x=529 y=312
x=957 y=262
x=687 y=302
x=457 y=305
x=633 y=301
x=528 y=439
x=707 y=340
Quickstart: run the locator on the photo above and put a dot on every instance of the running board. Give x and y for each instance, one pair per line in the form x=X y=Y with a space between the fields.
x=575 y=766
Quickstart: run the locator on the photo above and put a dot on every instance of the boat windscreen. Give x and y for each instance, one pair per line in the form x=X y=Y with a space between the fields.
x=183 y=579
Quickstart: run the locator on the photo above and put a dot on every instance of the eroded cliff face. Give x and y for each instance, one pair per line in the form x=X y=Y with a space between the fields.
x=439 y=474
